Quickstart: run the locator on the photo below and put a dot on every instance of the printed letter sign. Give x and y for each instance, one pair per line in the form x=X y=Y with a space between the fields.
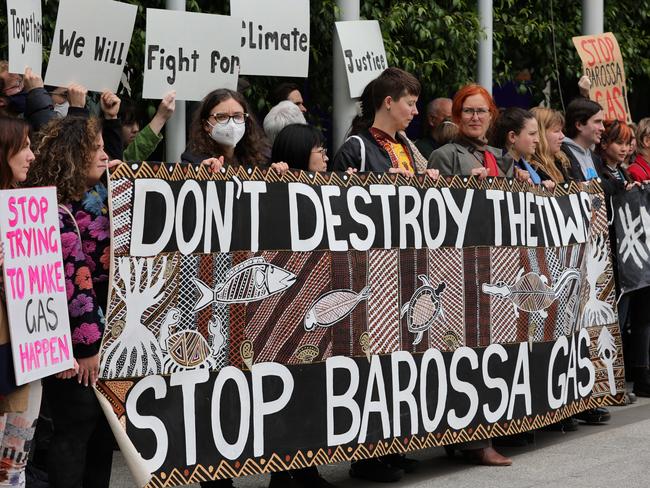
x=25 y=32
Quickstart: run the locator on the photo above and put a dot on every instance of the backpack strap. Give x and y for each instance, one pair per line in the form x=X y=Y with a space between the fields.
x=65 y=209
x=363 y=152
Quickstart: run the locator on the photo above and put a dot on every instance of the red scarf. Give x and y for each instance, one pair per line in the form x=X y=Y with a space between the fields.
x=490 y=162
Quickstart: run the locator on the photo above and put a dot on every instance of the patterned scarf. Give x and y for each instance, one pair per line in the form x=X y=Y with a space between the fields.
x=399 y=155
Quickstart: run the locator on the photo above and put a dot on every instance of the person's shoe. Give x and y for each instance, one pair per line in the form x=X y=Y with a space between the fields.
x=630 y=397
x=311 y=478
x=224 y=483
x=568 y=424
x=375 y=469
x=285 y=479
x=594 y=416
x=641 y=381
x=486 y=456
x=402 y=462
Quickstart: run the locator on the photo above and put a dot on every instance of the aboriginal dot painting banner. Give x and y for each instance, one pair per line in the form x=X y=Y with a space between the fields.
x=260 y=322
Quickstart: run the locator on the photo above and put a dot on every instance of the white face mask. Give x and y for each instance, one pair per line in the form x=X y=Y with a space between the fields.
x=61 y=109
x=228 y=134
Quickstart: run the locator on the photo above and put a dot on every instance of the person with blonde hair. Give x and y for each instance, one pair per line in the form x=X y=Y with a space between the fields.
x=549 y=160
x=639 y=170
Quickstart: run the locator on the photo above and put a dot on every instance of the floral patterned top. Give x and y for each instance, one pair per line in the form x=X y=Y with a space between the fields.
x=86 y=266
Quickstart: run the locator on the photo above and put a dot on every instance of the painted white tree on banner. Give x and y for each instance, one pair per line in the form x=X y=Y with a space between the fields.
x=136 y=351
x=630 y=244
x=596 y=312
x=607 y=353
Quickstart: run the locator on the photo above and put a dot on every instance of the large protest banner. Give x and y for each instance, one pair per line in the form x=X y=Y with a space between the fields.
x=632 y=228
x=37 y=304
x=260 y=322
x=274 y=36
x=25 y=35
x=363 y=52
x=191 y=53
x=602 y=62
x=90 y=44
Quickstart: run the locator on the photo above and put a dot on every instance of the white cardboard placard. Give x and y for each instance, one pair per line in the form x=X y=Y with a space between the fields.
x=90 y=44
x=25 y=35
x=274 y=36
x=34 y=283
x=363 y=52
x=191 y=53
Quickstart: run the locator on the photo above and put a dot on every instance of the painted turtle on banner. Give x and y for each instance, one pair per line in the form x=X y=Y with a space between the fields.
x=531 y=292
x=423 y=308
x=188 y=348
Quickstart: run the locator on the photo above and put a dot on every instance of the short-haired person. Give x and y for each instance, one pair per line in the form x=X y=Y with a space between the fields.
x=289 y=91
x=549 y=161
x=280 y=116
x=583 y=128
x=223 y=131
x=377 y=140
x=140 y=144
x=19 y=408
x=639 y=169
x=438 y=110
x=473 y=111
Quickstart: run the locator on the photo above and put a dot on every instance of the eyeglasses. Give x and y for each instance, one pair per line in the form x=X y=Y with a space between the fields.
x=63 y=94
x=481 y=113
x=322 y=151
x=223 y=118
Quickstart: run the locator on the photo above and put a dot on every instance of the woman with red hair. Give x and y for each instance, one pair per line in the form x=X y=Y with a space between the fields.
x=473 y=110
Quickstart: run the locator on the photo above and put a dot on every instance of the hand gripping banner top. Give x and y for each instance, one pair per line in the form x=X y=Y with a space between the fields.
x=260 y=322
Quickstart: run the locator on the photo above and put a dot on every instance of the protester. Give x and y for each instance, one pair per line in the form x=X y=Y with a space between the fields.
x=70 y=155
x=18 y=408
x=613 y=149
x=584 y=126
x=291 y=92
x=223 y=131
x=140 y=144
x=473 y=110
x=445 y=133
x=378 y=143
x=280 y=116
x=438 y=110
x=301 y=147
x=639 y=169
x=377 y=140
x=631 y=154
x=549 y=161
x=516 y=132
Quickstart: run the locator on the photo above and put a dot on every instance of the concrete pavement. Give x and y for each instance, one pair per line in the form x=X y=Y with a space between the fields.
x=612 y=455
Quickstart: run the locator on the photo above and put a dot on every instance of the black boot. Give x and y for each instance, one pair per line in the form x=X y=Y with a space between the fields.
x=641 y=381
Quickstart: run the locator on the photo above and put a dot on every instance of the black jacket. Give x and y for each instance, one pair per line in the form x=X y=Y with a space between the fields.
x=376 y=157
x=610 y=185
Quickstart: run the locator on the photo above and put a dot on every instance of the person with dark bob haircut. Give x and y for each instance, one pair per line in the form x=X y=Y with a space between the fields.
x=377 y=140
x=224 y=131
x=301 y=146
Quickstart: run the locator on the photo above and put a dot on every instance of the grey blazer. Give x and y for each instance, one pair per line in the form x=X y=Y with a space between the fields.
x=456 y=159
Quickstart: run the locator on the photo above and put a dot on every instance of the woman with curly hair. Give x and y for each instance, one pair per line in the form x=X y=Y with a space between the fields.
x=224 y=131
x=70 y=155
x=18 y=408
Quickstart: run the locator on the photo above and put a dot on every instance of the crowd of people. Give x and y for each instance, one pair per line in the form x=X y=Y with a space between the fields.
x=49 y=137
